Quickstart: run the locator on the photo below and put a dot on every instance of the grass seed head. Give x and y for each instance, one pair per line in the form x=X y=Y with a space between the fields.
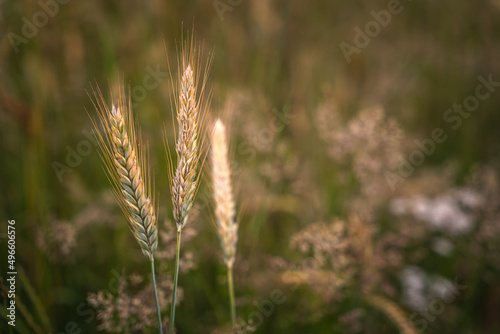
x=227 y=228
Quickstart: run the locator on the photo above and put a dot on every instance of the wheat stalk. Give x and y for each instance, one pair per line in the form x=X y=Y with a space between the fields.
x=191 y=107
x=185 y=181
x=126 y=169
x=227 y=228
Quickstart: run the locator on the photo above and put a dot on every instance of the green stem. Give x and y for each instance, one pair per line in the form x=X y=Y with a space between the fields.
x=176 y=278
x=230 y=285
x=158 y=313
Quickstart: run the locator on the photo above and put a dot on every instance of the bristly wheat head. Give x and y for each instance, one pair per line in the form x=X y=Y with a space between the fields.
x=191 y=112
x=227 y=228
x=126 y=169
x=184 y=182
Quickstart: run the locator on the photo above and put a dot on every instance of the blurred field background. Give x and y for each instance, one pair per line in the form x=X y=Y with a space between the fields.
x=314 y=138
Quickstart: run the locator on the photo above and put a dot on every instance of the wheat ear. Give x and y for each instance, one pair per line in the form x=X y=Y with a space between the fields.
x=185 y=182
x=227 y=228
x=126 y=168
x=191 y=110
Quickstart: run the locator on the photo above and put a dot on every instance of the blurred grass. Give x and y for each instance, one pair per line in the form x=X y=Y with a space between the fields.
x=428 y=58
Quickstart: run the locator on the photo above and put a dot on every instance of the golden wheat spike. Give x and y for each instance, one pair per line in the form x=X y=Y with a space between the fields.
x=185 y=181
x=125 y=168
